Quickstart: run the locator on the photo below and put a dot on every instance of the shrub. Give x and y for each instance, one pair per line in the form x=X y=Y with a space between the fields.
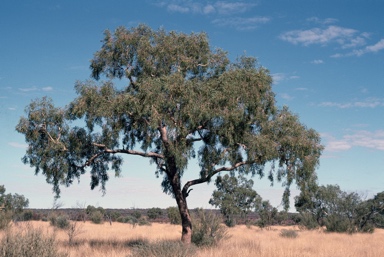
x=97 y=217
x=62 y=222
x=208 y=229
x=174 y=215
x=307 y=221
x=288 y=233
x=5 y=219
x=136 y=214
x=27 y=215
x=154 y=213
x=29 y=243
x=164 y=249
x=335 y=223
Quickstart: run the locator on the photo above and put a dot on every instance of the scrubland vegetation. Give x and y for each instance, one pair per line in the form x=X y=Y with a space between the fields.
x=120 y=239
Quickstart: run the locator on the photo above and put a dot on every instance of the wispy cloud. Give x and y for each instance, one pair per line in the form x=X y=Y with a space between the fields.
x=369 y=49
x=322 y=21
x=367 y=103
x=241 y=23
x=222 y=13
x=286 y=96
x=318 y=61
x=219 y=7
x=18 y=145
x=362 y=138
x=33 y=89
x=279 y=77
x=345 y=37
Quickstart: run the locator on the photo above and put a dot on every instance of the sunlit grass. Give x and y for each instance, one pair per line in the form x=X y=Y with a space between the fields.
x=117 y=240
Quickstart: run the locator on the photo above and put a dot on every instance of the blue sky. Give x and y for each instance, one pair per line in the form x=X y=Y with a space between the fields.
x=326 y=58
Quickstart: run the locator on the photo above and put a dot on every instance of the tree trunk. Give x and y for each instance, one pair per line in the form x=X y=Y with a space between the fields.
x=186 y=221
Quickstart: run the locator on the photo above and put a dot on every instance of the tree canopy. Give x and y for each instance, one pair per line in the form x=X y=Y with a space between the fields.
x=234 y=196
x=183 y=100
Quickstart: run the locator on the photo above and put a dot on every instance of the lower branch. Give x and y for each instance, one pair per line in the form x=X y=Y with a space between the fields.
x=205 y=179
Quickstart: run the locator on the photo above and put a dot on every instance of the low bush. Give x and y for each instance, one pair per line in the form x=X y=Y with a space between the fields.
x=208 y=229
x=97 y=217
x=5 y=219
x=29 y=243
x=164 y=249
x=288 y=233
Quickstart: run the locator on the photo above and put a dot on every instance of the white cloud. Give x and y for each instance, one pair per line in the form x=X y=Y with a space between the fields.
x=367 y=103
x=220 y=7
x=286 y=96
x=318 y=61
x=28 y=89
x=178 y=8
x=18 y=145
x=278 y=77
x=369 y=49
x=362 y=138
x=322 y=21
x=208 y=9
x=232 y=7
x=47 y=89
x=241 y=23
x=31 y=89
x=340 y=35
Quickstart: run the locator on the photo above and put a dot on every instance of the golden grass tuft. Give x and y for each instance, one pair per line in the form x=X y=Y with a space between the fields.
x=117 y=240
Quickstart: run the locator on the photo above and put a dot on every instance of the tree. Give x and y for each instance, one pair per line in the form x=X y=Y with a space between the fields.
x=11 y=205
x=267 y=214
x=338 y=210
x=234 y=196
x=154 y=213
x=182 y=101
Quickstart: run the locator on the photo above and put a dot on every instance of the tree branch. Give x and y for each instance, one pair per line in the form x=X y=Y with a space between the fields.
x=208 y=177
x=124 y=151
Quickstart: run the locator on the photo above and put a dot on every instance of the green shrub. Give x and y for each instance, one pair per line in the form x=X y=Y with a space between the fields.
x=174 y=215
x=308 y=221
x=27 y=215
x=154 y=213
x=29 y=243
x=5 y=219
x=97 y=217
x=164 y=249
x=335 y=223
x=288 y=233
x=136 y=214
x=208 y=229
x=62 y=222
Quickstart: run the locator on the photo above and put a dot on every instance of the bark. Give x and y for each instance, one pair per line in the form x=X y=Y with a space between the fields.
x=181 y=200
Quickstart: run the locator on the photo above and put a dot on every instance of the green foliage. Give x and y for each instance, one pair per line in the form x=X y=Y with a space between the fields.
x=29 y=243
x=234 y=196
x=339 y=211
x=62 y=221
x=27 y=215
x=164 y=249
x=11 y=206
x=288 y=233
x=136 y=214
x=58 y=220
x=174 y=215
x=97 y=217
x=5 y=219
x=154 y=213
x=207 y=228
x=267 y=214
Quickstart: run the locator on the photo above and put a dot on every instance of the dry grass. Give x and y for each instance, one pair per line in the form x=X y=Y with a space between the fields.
x=106 y=240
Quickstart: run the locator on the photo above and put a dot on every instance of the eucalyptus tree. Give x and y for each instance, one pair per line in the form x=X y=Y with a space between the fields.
x=234 y=196
x=182 y=100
